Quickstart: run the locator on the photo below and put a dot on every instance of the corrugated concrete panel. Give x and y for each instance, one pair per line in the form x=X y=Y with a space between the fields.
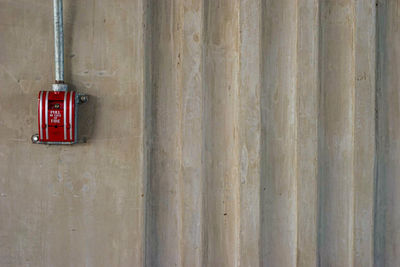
x=219 y=133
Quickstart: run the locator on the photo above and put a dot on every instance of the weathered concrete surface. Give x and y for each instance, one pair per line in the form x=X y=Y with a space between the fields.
x=387 y=219
x=76 y=205
x=220 y=133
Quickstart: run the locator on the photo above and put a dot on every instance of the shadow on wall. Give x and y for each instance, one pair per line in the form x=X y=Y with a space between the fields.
x=86 y=119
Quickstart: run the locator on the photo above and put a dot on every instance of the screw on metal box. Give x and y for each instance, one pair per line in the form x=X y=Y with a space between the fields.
x=58 y=109
x=35 y=138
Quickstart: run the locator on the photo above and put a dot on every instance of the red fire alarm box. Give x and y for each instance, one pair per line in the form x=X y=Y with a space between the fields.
x=57 y=117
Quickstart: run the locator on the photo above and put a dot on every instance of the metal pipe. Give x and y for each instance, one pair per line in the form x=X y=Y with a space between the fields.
x=58 y=40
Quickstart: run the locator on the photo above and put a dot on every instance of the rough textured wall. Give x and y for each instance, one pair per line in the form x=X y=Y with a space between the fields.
x=219 y=133
x=80 y=205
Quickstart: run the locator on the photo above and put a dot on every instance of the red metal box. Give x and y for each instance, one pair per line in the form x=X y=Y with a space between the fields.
x=57 y=117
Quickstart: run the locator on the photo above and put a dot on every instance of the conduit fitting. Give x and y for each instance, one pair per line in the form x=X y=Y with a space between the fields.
x=60 y=87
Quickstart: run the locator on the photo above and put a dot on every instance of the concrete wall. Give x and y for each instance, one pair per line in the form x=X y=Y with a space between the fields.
x=219 y=133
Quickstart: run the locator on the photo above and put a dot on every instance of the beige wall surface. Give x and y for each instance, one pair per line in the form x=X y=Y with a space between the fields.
x=219 y=133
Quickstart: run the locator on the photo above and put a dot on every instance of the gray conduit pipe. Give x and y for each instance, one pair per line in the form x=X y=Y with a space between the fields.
x=59 y=46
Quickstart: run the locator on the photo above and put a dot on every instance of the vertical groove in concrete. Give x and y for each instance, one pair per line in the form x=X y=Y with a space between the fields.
x=336 y=136
x=165 y=222
x=249 y=131
x=278 y=133
x=387 y=220
x=192 y=134
x=307 y=132
x=381 y=136
x=364 y=132
x=148 y=128
x=221 y=78
x=176 y=180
